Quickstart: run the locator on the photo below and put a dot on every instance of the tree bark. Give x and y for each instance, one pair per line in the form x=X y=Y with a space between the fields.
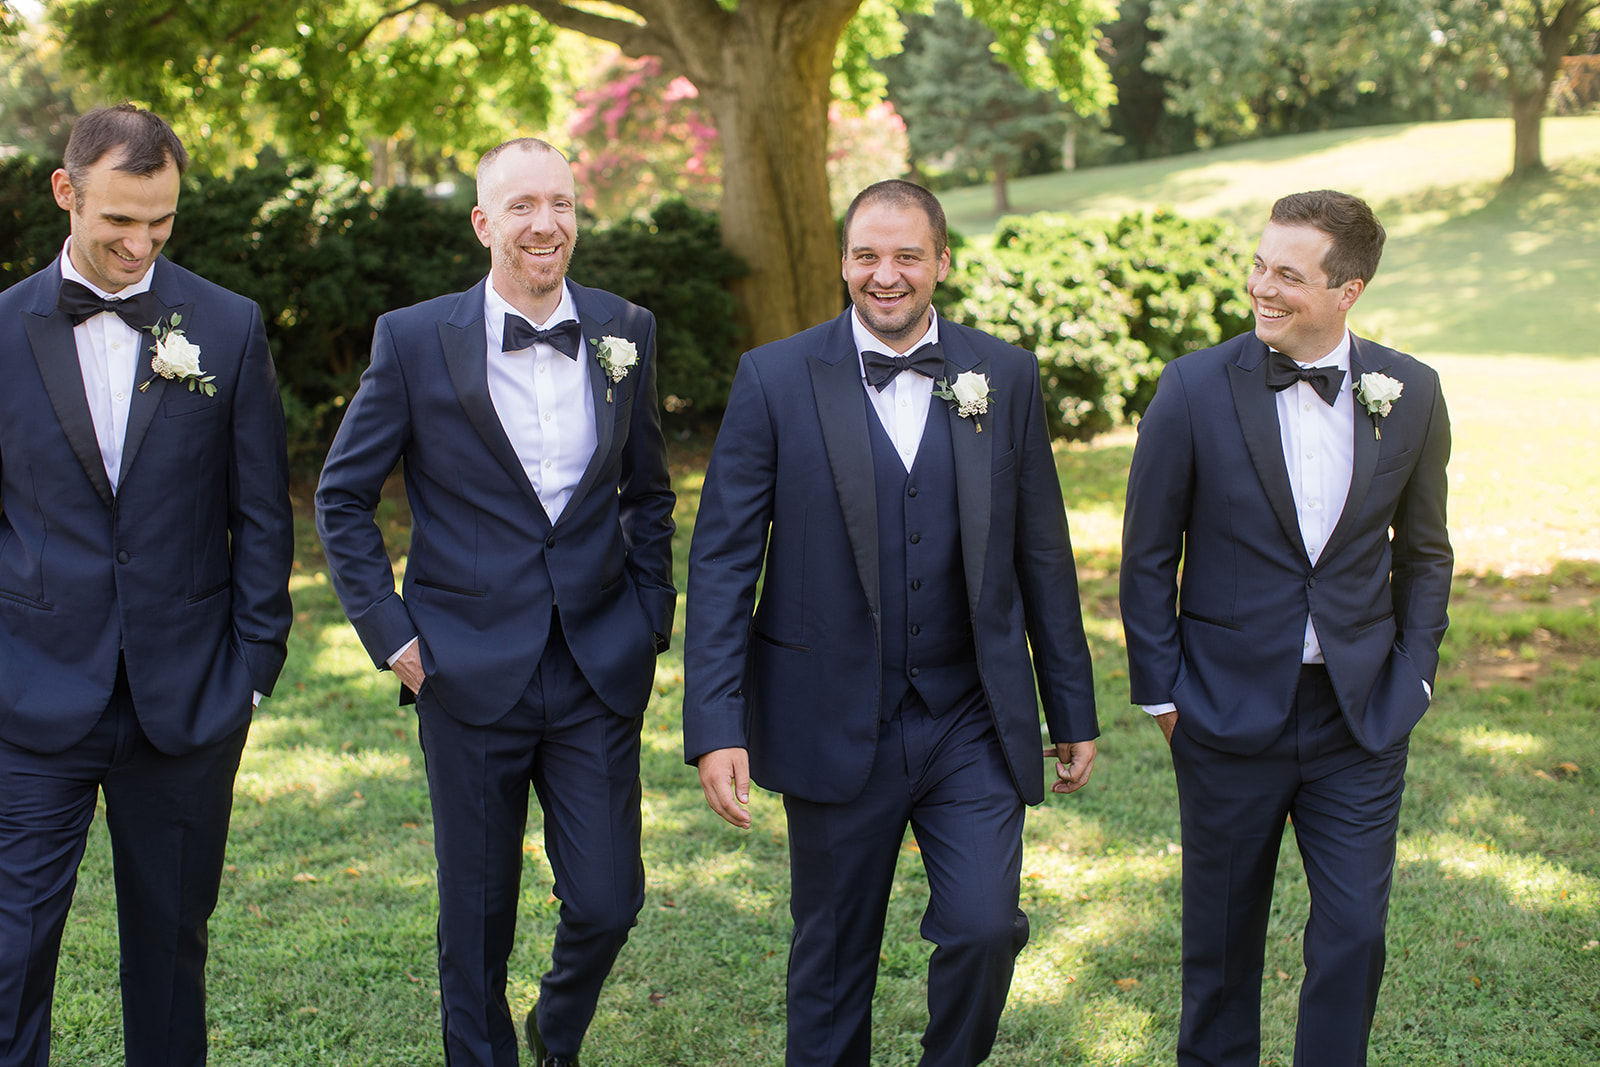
x=1528 y=100
x=763 y=71
x=1527 y=125
x=1002 y=196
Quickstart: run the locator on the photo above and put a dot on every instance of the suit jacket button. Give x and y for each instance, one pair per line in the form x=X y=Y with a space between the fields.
x=1311 y=583
x=913 y=672
x=916 y=538
x=915 y=629
x=550 y=542
x=912 y=491
x=916 y=583
x=123 y=557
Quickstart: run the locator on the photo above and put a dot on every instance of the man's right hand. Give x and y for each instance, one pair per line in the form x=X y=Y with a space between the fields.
x=1168 y=723
x=408 y=667
x=725 y=778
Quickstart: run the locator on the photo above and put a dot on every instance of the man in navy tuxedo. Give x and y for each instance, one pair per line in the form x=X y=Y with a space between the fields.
x=538 y=591
x=145 y=546
x=1298 y=474
x=914 y=547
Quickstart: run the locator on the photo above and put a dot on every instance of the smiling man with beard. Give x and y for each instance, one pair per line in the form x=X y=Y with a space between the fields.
x=538 y=591
x=889 y=477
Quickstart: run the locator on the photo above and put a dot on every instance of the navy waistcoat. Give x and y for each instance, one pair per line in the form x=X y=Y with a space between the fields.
x=927 y=635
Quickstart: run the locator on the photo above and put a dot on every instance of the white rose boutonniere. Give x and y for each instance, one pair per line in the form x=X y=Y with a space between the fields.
x=1377 y=393
x=970 y=392
x=617 y=356
x=177 y=358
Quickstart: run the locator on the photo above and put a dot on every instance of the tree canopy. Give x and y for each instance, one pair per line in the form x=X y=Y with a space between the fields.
x=349 y=80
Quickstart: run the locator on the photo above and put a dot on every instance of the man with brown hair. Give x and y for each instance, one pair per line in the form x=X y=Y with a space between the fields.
x=145 y=547
x=1298 y=474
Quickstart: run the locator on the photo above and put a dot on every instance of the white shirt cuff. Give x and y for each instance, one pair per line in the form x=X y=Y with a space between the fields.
x=1158 y=709
x=256 y=694
x=400 y=651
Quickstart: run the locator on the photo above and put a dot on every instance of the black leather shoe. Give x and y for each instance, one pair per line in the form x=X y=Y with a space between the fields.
x=541 y=1055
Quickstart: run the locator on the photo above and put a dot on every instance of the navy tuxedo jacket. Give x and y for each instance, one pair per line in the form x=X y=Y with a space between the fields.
x=1209 y=485
x=485 y=564
x=184 y=570
x=790 y=488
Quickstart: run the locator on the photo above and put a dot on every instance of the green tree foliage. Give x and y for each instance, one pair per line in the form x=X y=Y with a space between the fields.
x=963 y=108
x=338 y=80
x=358 y=83
x=1521 y=43
x=1243 y=67
x=1247 y=67
x=1104 y=304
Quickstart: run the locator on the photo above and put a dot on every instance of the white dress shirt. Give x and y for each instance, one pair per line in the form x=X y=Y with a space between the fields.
x=108 y=356
x=1319 y=450
x=902 y=406
x=109 y=353
x=544 y=403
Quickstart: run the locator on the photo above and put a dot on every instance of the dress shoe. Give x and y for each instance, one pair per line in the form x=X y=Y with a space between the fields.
x=541 y=1055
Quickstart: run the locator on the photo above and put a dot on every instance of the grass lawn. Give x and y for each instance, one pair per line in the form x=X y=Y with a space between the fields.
x=323 y=948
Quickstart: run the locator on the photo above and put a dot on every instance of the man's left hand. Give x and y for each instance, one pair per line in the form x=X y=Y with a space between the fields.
x=1074 y=762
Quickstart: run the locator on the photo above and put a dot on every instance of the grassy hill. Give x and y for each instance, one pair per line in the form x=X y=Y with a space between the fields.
x=1474 y=267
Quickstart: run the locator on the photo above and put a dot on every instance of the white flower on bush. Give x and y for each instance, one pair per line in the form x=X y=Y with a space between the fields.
x=177 y=358
x=970 y=391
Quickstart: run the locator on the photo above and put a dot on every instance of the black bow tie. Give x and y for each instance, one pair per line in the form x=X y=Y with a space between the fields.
x=1283 y=372
x=141 y=311
x=927 y=361
x=519 y=333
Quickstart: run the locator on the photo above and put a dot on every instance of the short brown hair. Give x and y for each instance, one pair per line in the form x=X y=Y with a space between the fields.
x=901 y=194
x=1357 y=234
x=147 y=142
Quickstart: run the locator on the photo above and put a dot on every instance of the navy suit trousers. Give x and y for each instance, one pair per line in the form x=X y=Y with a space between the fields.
x=1345 y=805
x=582 y=761
x=947 y=778
x=168 y=821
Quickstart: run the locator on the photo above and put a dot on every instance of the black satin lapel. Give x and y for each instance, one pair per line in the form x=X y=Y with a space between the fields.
x=142 y=409
x=837 y=387
x=466 y=357
x=602 y=394
x=1257 y=408
x=1364 y=462
x=54 y=349
x=974 y=452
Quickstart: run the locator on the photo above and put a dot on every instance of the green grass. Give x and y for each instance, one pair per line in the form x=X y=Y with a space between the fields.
x=322 y=944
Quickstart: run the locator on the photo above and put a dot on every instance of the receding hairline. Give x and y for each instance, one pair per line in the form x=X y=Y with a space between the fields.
x=487 y=163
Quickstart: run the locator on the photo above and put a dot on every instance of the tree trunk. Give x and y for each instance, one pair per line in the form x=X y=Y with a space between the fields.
x=1002 y=196
x=771 y=111
x=1527 y=121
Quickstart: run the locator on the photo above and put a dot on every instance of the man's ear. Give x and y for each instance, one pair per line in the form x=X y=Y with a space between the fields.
x=1349 y=291
x=61 y=189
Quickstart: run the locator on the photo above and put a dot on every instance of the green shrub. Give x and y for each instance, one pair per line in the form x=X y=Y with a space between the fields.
x=1105 y=304
x=324 y=257
x=675 y=265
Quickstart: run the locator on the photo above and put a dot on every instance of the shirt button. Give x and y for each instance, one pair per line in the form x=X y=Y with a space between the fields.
x=116 y=346
x=905 y=403
x=548 y=416
x=121 y=397
x=1311 y=455
x=549 y=463
x=541 y=368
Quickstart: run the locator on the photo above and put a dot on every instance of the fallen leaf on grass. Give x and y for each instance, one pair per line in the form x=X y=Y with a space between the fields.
x=1567 y=767
x=305 y=876
x=1477 y=983
x=658 y=998
x=1283 y=976
x=1126 y=983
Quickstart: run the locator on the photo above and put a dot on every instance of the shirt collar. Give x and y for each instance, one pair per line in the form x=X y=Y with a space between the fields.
x=71 y=274
x=866 y=341
x=1338 y=357
x=497 y=307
